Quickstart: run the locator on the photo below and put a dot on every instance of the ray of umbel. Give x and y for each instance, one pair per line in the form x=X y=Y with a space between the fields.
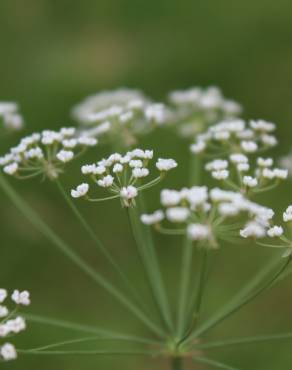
x=45 y=230
x=215 y=364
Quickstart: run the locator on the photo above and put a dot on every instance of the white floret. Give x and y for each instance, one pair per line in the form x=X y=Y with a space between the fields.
x=275 y=231
x=154 y=218
x=287 y=215
x=80 y=191
x=129 y=192
x=140 y=172
x=3 y=295
x=177 y=214
x=8 y=352
x=165 y=164
x=11 y=168
x=249 y=181
x=21 y=298
x=65 y=155
x=106 y=181
x=198 y=232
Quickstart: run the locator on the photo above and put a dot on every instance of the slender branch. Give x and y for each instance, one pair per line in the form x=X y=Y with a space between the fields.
x=195 y=169
x=214 y=363
x=92 y=353
x=186 y=267
x=146 y=249
x=247 y=340
x=211 y=324
x=74 y=257
x=99 y=244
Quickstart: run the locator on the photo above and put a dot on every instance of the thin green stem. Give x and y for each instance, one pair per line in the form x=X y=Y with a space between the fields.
x=177 y=363
x=212 y=323
x=214 y=363
x=247 y=340
x=99 y=333
x=186 y=268
x=91 y=353
x=147 y=252
x=34 y=218
x=99 y=244
x=195 y=170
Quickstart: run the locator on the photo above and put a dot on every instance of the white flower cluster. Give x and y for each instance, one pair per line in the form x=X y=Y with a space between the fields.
x=236 y=136
x=236 y=172
x=196 y=108
x=9 y=323
x=122 y=174
x=45 y=153
x=9 y=115
x=207 y=216
x=122 y=114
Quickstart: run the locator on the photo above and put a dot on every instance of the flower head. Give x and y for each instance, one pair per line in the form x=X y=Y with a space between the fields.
x=207 y=216
x=120 y=115
x=235 y=136
x=10 y=119
x=123 y=175
x=10 y=324
x=45 y=153
x=196 y=108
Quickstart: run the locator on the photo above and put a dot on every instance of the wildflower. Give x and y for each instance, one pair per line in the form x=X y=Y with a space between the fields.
x=234 y=136
x=287 y=215
x=275 y=231
x=45 y=153
x=196 y=108
x=122 y=114
x=122 y=175
x=165 y=164
x=21 y=298
x=80 y=191
x=8 y=352
x=10 y=117
x=10 y=324
x=207 y=215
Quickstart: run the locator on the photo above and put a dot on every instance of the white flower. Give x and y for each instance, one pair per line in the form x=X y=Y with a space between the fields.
x=198 y=147
x=165 y=164
x=140 y=172
x=249 y=181
x=80 y=191
x=34 y=153
x=228 y=209
x=3 y=311
x=262 y=125
x=89 y=169
x=242 y=167
x=198 y=232
x=3 y=295
x=65 y=155
x=265 y=162
x=106 y=181
x=67 y=131
x=69 y=143
x=11 y=168
x=87 y=141
x=177 y=214
x=129 y=192
x=170 y=197
x=275 y=231
x=217 y=165
x=220 y=174
x=118 y=168
x=157 y=113
x=249 y=146
x=136 y=163
x=238 y=158
x=269 y=140
x=153 y=218
x=287 y=215
x=8 y=352
x=275 y=173
x=15 y=325
x=253 y=230
x=21 y=298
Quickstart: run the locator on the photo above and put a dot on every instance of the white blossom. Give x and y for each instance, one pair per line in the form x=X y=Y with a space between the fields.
x=287 y=215
x=3 y=311
x=253 y=230
x=275 y=231
x=140 y=172
x=65 y=155
x=250 y=182
x=21 y=298
x=8 y=352
x=177 y=214
x=129 y=192
x=153 y=218
x=165 y=164
x=198 y=232
x=3 y=295
x=80 y=191
x=106 y=181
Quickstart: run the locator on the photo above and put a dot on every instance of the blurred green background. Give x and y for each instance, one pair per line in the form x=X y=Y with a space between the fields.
x=54 y=53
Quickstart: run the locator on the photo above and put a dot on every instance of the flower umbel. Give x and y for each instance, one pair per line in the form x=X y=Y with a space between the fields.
x=10 y=323
x=45 y=153
x=123 y=175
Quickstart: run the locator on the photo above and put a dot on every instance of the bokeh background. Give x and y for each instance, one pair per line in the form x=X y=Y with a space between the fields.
x=54 y=53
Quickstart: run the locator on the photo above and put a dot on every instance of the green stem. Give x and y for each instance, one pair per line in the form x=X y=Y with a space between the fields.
x=34 y=218
x=177 y=363
x=217 y=320
x=147 y=252
x=91 y=353
x=248 y=340
x=98 y=243
x=195 y=170
x=101 y=333
x=214 y=363
x=186 y=268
